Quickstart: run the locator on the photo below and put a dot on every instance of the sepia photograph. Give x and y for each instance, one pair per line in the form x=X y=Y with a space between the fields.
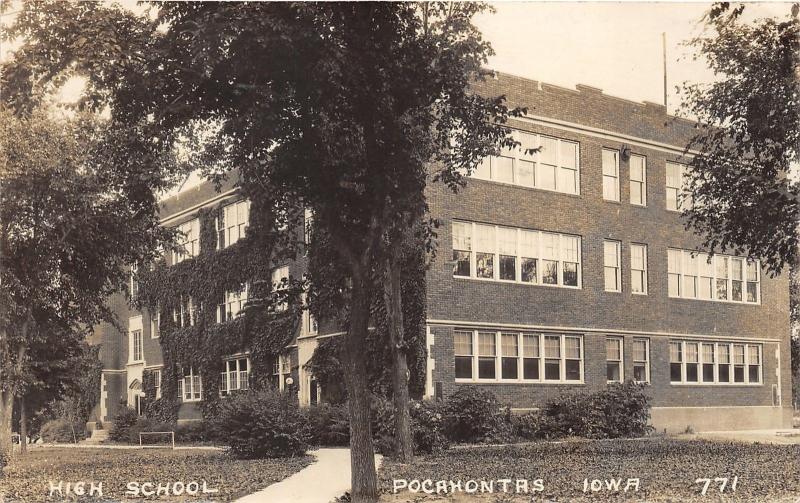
x=399 y=252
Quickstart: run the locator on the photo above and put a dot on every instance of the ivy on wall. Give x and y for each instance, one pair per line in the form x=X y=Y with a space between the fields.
x=262 y=329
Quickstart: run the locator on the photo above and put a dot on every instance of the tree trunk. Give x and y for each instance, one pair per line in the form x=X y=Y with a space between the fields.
x=364 y=479
x=404 y=442
x=6 y=411
x=23 y=426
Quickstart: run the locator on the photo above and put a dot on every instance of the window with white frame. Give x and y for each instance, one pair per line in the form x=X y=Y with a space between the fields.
x=185 y=315
x=236 y=375
x=188 y=241
x=639 y=268
x=137 y=349
x=511 y=356
x=641 y=360
x=696 y=275
x=611 y=266
x=134 y=281
x=310 y=325
x=518 y=255
x=610 y=162
x=232 y=223
x=232 y=304
x=554 y=167
x=157 y=383
x=308 y=225
x=708 y=362
x=282 y=368
x=155 y=324
x=677 y=195
x=280 y=283
x=614 y=366
x=638 y=176
x=190 y=388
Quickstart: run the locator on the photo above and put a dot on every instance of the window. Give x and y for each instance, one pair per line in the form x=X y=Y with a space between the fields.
x=232 y=304
x=235 y=376
x=308 y=225
x=704 y=362
x=137 y=354
x=232 y=223
x=155 y=324
x=134 y=281
x=638 y=175
x=509 y=356
x=157 y=383
x=281 y=368
x=677 y=195
x=518 y=255
x=611 y=261
x=280 y=283
x=185 y=314
x=614 y=369
x=639 y=269
x=695 y=275
x=554 y=167
x=641 y=360
x=188 y=241
x=190 y=388
x=610 y=175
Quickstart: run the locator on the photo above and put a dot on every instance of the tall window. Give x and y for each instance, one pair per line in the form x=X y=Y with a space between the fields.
x=614 y=368
x=677 y=195
x=705 y=362
x=232 y=304
x=280 y=283
x=235 y=376
x=155 y=324
x=157 y=383
x=695 y=275
x=641 y=360
x=519 y=255
x=232 y=223
x=134 y=281
x=610 y=175
x=638 y=169
x=509 y=356
x=308 y=225
x=190 y=388
x=638 y=268
x=188 y=241
x=554 y=167
x=137 y=353
x=186 y=313
x=611 y=269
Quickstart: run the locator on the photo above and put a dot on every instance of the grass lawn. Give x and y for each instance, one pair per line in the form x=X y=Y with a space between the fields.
x=27 y=478
x=667 y=470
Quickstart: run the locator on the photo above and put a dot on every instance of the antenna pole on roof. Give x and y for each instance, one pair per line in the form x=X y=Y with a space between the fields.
x=664 y=52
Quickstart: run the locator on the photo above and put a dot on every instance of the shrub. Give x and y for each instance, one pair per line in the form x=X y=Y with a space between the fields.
x=60 y=431
x=125 y=421
x=473 y=414
x=527 y=426
x=621 y=410
x=427 y=426
x=196 y=431
x=261 y=424
x=329 y=425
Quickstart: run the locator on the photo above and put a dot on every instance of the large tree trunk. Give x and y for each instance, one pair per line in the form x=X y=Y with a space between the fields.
x=404 y=442
x=364 y=479
x=6 y=411
x=23 y=426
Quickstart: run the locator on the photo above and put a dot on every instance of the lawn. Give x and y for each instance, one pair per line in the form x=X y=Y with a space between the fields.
x=27 y=478
x=666 y=469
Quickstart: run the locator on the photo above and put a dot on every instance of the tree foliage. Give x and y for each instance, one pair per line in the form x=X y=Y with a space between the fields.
x=743 y=179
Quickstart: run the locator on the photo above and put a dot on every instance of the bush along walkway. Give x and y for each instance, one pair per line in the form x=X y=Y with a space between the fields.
x=321 y=482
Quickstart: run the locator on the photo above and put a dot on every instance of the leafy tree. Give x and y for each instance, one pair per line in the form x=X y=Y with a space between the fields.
x=70 y=222
x=745 y=195
x=349 y=109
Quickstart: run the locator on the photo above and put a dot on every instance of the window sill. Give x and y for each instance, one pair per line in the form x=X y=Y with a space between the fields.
x=521 y=283
x=732 y=302
x=194 y=400
x=501 y=382
x=136 y=362
x=640 y=294
x=719 y=384
x=525 y=187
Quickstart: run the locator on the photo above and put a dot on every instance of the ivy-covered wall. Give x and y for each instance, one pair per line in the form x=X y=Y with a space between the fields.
x=261 y=330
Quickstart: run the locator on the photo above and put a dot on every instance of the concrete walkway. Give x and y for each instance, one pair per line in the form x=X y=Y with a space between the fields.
x=788 y=436
x=320 y=482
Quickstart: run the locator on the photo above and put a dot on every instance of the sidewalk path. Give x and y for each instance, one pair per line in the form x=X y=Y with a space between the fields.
x=320 y=482
x=788 y=436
